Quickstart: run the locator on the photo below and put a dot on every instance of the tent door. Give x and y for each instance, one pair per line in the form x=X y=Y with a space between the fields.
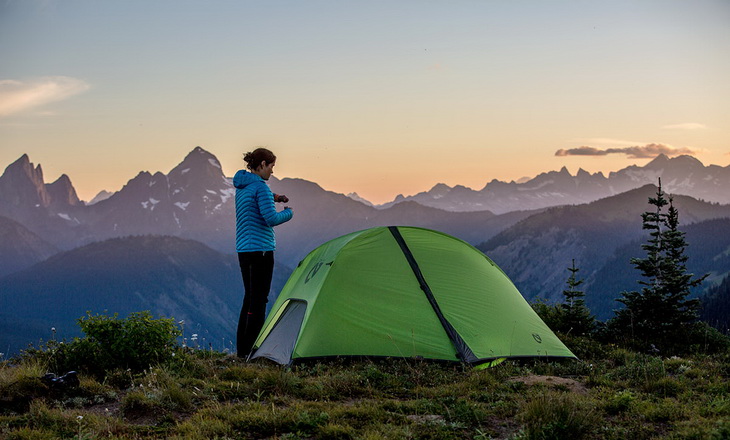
x=279 y=343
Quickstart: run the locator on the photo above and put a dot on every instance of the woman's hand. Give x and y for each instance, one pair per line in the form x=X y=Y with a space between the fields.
x=281 y=198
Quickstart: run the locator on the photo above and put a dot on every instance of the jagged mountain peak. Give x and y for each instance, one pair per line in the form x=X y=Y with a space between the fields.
x=63 y=179
x=62 y=192
x=684 y=161
x=355 y=196
x=25 y=167
x=440 y=189
x=199 y=169
x=197 y=157
x=22 y=161
x=100 y=196
x=660 y=160
x=22 y=183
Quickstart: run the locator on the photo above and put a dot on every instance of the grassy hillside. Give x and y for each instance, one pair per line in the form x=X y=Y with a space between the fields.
x=611 y=394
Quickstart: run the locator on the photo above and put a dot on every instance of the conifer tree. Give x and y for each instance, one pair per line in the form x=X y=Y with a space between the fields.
x=660 y=314
x=576 y=316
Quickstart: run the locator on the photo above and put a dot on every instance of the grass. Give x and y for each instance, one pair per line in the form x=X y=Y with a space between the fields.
x=612 y=394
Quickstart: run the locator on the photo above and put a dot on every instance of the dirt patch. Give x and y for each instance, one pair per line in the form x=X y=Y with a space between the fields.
x=108 y=409
x=553 y=381
x=429 y=418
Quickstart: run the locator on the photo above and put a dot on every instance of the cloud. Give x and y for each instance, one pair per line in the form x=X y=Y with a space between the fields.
x=685 y=126
x=634 y=152
x=19 y=96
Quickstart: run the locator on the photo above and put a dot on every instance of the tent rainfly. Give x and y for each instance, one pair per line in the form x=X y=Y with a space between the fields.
x=402 y=292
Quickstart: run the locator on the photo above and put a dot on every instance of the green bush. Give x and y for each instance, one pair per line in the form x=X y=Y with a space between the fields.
x=110 y=344
x=705 y=339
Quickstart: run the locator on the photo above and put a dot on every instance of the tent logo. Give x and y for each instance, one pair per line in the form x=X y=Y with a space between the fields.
x=537 y=338
x=313 y=271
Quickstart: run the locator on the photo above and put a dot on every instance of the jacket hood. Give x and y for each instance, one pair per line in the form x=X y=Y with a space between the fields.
x=243 y=178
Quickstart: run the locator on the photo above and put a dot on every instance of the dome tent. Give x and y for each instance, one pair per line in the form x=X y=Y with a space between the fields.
x=402 y=292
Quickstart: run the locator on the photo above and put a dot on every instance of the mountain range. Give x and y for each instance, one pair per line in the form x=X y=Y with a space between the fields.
x=165 y=241
x=602 y=237
x=680 y=175
x=195 y=201
x=171 y=276
x=20 y=248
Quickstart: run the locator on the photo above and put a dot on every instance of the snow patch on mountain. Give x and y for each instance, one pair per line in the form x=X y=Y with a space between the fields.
x=538 y=186
x=227 y=194
x=150 y=204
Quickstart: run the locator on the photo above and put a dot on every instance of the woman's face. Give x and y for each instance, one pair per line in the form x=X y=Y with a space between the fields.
x=265 y=170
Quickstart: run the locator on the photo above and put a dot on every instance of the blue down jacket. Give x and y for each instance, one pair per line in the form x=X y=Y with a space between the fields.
x=256 y=215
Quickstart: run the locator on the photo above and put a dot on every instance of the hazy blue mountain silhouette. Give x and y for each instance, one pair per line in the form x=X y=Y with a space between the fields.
x=680 y=175
x=169 y=276
x=536 y=251
x=20 y=248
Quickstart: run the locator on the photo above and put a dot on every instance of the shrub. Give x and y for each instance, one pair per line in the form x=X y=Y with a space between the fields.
x=110 y=343
x=705 y=339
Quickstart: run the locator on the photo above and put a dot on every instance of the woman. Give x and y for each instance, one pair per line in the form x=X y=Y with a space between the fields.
x=256 y=217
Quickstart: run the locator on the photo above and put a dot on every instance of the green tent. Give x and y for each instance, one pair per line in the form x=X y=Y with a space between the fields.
x=402 y=292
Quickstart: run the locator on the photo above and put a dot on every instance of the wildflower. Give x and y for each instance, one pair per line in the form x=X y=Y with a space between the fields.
x=79 y=418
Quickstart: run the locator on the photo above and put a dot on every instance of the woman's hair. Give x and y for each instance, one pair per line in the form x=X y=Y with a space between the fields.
x=254 y=158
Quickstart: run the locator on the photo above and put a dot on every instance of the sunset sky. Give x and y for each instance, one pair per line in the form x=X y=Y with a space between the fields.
x=375 y=97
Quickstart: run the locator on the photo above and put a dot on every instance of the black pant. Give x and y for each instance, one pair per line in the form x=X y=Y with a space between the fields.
x=257 y=268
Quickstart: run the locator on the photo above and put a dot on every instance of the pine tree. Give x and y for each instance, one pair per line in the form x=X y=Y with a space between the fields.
x=660 y=315
x=576 y=316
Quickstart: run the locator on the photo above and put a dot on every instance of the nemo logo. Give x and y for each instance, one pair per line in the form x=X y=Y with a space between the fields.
x=537 y=338
x=313 y=271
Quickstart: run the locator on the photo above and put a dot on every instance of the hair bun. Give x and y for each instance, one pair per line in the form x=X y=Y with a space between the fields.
x=254 y=158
